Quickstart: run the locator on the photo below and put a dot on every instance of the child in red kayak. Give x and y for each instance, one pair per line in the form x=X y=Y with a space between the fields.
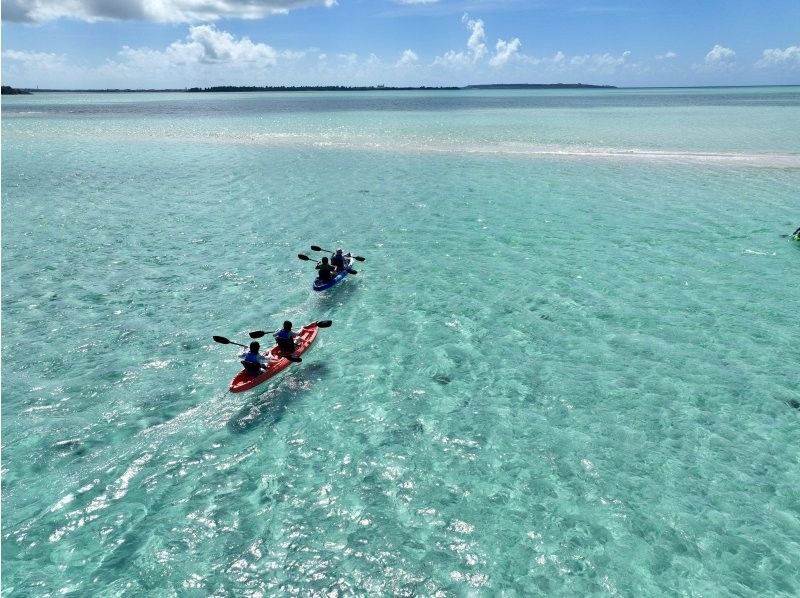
x=253 y=361
x=285 y=338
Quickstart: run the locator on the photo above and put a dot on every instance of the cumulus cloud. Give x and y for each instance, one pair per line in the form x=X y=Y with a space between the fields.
x=476 y=47
x=787 y=58
x=408 y=58
x=208 y=45
x=666 y=55
x=720 y=55
x=719 y=59
x=475 y=43
x=578 y=67
x=600 y=63
x=505 y=51
x=206 y=56
x=162 y=11
x=452 y=59
x=36 y=59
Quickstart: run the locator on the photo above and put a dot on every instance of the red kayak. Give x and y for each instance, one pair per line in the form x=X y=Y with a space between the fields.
x=277 y=363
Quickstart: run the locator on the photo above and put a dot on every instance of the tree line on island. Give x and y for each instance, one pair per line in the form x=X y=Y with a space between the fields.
x=8 y=90
x=13 y=91
x=392 y=88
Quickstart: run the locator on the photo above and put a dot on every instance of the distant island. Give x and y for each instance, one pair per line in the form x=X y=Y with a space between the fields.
x=539 y=86
x=313 y=88
x=12 y=91
x=8 y=90
x=224 y=88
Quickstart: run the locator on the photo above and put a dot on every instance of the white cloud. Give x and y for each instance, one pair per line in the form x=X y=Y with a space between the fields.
x=719 y=59
x=162 y=11
x=408 y=58
x=505 y=51
x=35 y=59
x=206 y=56
x=292 y=55
x=599 y=63
x=221 y=46
x=476 y=47
x=475 y=43
x=349 y=59
x=452 y=59
x=787 y=58
x=720 y=55
x=666 y=56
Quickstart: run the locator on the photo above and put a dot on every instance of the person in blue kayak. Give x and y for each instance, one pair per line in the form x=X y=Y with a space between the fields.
x=326 y=271
x=253 y=361
x=285 y=338
x=337 y=260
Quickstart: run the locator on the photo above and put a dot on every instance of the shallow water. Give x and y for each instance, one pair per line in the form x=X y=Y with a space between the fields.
x=567 y=366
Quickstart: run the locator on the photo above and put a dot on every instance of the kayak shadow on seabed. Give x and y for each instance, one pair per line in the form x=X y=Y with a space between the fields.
x=269 y=407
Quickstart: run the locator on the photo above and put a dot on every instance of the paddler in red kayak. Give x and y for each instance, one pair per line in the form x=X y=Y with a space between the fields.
x=253 y=361
x=285 y=338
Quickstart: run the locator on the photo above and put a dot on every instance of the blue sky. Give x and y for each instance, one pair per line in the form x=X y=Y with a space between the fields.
x=184 y=43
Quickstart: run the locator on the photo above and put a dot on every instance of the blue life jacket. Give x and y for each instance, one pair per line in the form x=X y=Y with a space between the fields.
x=338 y=261
x=252 y=362
x=285 y=341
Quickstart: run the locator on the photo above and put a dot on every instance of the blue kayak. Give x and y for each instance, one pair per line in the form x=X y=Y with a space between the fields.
x=321 y=286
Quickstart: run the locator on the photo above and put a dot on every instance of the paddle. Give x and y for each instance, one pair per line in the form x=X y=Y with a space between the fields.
x=260 y=333
x=309 y=259
x=358 y=258
x=225 y=341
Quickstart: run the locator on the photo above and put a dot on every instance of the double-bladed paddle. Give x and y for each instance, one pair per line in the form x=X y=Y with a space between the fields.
x=320 y=324
x=358 y=258
x=305 y=258
x=225 y=341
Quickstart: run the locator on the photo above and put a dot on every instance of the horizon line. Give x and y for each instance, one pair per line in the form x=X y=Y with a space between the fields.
x=474 y=86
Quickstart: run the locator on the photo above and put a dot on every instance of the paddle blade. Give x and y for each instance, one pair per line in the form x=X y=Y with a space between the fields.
x=351 y=271
x=358 y=258
x=316 y=248
x=225 y=341
x=324 y=324
x=294 y=359
x=304 y=257
x=258 y=334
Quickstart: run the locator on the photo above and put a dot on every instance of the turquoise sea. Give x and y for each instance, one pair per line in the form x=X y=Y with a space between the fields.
x=569 y=365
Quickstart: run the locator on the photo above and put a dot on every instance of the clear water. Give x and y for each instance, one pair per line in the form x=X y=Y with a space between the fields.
x=569 y=365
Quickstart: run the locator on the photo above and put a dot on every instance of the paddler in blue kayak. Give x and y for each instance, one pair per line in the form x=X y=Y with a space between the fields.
x=337 y=260
x=285 y=338
x=326 y=271
x=253 y=361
